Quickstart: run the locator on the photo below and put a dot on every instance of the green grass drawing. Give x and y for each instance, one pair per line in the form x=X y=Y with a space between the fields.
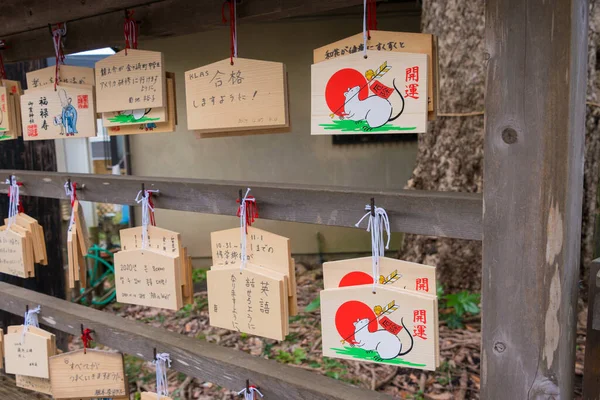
x=2 y=129
x=346 y=125
x=128 y=119
x=361 y=354
x=4 y=137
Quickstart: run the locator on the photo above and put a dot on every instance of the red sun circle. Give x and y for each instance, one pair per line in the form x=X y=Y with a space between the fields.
x=348 y=313
x=339 y=83
x=356 y=278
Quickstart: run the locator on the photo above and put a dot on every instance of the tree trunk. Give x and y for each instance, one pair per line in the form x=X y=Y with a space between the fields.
x=450 y=154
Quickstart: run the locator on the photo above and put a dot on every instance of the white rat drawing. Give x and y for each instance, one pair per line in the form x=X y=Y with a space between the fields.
x=386 y=344
x=376 y=110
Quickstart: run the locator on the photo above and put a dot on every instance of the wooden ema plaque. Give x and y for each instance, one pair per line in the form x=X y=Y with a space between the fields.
x=40 y=385
x=5 y=111
x=37 y=233
x=67 y=112
x=154 y=127
x=96 y=373
x=134 y=117
x=28 y=354
x=263 y=248
x=247 y=301
x=250 y=94
x=131 y=81
x=153 y=396
x=148 y=278
x=397 y=273
x=402 y=42
x=66 y=74
x=385 y=93
x=391 y=326
x=13 y=253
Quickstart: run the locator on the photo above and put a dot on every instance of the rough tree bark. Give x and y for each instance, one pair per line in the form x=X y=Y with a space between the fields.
x=450 y=154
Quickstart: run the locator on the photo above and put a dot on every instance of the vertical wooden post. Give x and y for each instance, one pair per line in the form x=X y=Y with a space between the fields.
x=591 y=368
x=533 y=184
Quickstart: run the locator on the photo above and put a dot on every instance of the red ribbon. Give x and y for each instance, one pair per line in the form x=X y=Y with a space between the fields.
x=131 y=32
x=232 y=31
x=151 y=209
x=251 y=210
x=19 y=206
x=86 y=338
x=74 y=191
x=371 y=16
x=58 y=50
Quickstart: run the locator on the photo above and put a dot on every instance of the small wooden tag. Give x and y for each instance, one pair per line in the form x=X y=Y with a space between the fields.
x=27 y=354
x=251 y=94
x=40 y=385
x=398 y=273
x=94 y=374
x=131 y=79
x=148 y=278
x=13 y=253
x=391 y=326
x=66 y=74
x=385 y=93
x=67 y=112
x=403 y=42
x=247 y=301
x=169 y=125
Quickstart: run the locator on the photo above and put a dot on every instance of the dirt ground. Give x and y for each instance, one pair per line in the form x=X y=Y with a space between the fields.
x=457 y=378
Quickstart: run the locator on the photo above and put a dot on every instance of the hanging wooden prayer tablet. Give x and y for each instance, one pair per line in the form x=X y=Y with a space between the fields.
x=37 y=232
x=250 y=94
x=403 y=42
x=13 y=253
x=148 y=278
x=153 y=396
x=5 y=111
x=96 y=373
x=384 y=93
x=169 y=125
x=66 y=74
x=28 y=354
x=263 y=248
x=393 y=272
x=134 y=116
x=40 y=385
x=131 y=80
x=391 y=326
x=247 y=301
x=69 y=111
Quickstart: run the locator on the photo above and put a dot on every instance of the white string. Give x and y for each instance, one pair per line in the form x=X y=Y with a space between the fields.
x=31 y=319
x=377 y=224
x=249 y=394
x=13 y=200
x=365 y=36
x=235 y=46
x=243 y=227
x=146 y=209
x=162 y=362
x=71 y=193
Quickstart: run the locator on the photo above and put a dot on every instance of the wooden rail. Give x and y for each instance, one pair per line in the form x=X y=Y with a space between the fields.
x=446 y=214
x=220 y=365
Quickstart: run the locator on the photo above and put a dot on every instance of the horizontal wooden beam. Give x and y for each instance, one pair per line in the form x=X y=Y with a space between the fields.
x=101 y=27
x=446 y=214
x=209 y=362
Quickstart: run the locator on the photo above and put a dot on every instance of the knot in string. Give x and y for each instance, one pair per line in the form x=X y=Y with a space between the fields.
x=31 y=319
x=14 y=200
x=377 y=224
x=130 y=32
x=57 y=35
x=86 y=338
x=162 y=362
x=249 y=392
x=144 y=197
x=71 y=192
x=248 y=212
x=232 y=26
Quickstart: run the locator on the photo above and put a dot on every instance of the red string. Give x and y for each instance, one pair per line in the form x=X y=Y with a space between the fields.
x=251 y=210
x=151 y=209
x=20 y=205
x=232 y=31
x=131 y=32
x=74 y=195
x=86 y=338
x=59 y=52
x=371 y=17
